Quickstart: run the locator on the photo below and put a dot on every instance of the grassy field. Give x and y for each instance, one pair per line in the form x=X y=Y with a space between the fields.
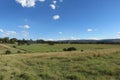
x=5 y=47
x=33 y=48
x=97 y=62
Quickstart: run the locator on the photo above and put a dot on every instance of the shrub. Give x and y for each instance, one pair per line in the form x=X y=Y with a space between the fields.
x=28 y=44
x=51 y=43
x=70 y=49
x=82 y=50
x=18 y=51
x=14 y=46
x=8 y=52
x=1 y=77
x=64 y=49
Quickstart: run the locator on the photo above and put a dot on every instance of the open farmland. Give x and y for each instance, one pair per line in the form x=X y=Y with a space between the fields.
x=33 y=48
x=97 y=62
x=59 y=39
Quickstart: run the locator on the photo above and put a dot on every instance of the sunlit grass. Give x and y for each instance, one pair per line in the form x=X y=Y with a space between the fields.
x=59 y=47
x=88 y=65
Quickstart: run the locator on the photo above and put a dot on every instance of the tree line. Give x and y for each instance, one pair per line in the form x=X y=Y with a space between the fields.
x=8 y=40
x=41 y=41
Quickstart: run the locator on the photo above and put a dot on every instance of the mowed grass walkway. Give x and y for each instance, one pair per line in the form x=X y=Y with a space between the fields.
x=101 y=64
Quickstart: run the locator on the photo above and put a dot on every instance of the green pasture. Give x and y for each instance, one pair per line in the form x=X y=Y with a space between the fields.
x=33 y=48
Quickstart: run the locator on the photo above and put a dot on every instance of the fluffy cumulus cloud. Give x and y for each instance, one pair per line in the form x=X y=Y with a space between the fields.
x=42 y=0
x=53 y=6
x=26 y=3
x=54 y=2
x=31 y=3
x=1 y=30
x=56 y=17
x=90 y=30
x=25 y=26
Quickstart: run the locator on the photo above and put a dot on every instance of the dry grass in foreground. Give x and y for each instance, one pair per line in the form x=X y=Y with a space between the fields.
x=88 y=65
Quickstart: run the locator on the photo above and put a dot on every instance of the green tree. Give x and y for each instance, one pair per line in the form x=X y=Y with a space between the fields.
x=13 y=40
x=6 y=40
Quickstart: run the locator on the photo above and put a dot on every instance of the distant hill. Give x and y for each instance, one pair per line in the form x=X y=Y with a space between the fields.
x=90 y=41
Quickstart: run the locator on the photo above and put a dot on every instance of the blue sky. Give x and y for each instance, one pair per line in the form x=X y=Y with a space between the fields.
x=60 y=19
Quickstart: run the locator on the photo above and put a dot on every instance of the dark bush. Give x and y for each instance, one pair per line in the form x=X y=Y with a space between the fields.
x=14 y=46
x=28 y=44
x=82 y=50
x=1 y=77
x=64 y=49
x=70 y=49
x=51 y=43
x=8 y=52
x=18 y=51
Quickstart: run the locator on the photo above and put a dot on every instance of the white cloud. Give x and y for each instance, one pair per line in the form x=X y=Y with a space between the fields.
x=42 y=0
x=1 y=30
x=26 y=3
x=32 y=3
x=56 y=17
x=54 y=2
x=25 y=33
x=60 y=33
x=53 y=6
x=9 y=33
x=118 y=33
x=25 y=26
x=73 y=38
x=90 y=30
